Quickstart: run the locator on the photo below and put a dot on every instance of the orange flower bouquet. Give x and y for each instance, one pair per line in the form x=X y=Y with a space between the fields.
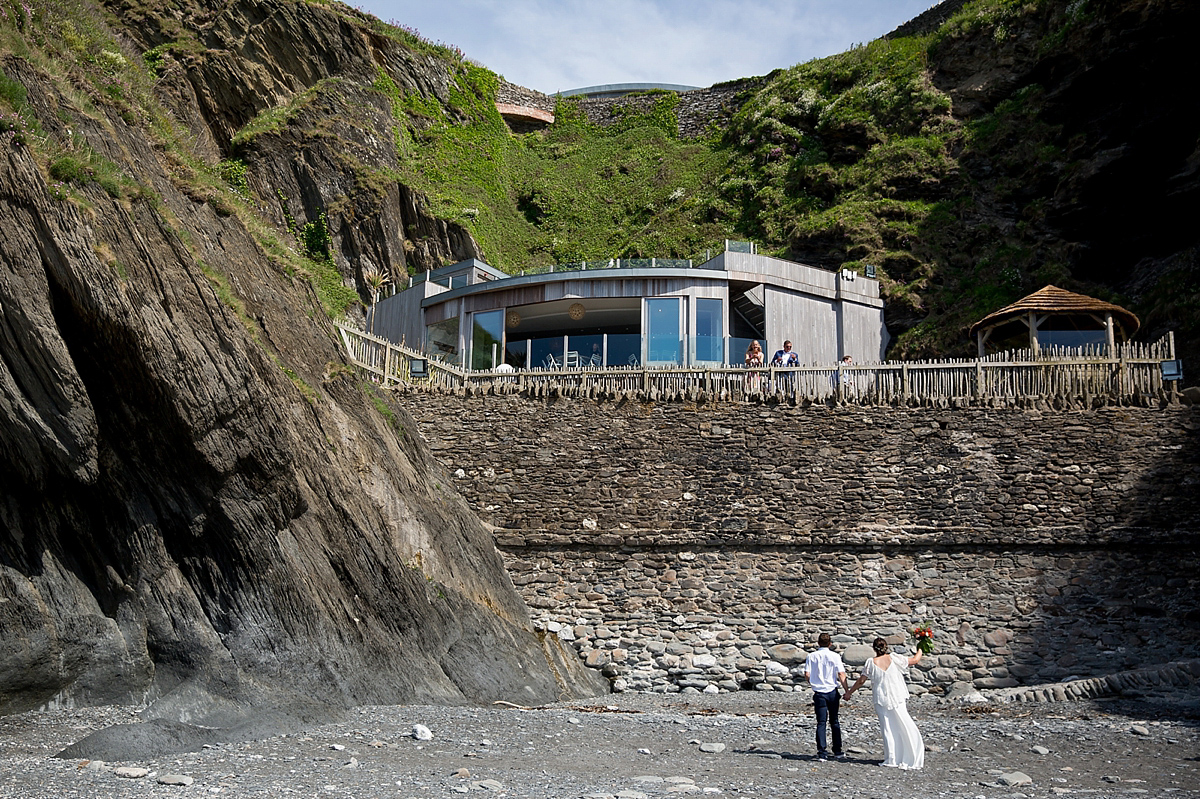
x=924 y=638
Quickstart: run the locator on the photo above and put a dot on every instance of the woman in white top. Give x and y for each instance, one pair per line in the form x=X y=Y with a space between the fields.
x=902 y=744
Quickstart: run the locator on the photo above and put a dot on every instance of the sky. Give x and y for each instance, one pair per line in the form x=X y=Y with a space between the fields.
x=558 y=45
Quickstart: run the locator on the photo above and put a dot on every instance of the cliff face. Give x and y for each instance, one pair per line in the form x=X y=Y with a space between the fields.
x=981 y=152
x=202 y=507
x=1092 y=165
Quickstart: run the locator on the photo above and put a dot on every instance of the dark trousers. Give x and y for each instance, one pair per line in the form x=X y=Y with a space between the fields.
x=826 y=705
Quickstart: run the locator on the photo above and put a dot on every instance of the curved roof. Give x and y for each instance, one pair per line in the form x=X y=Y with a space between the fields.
x=1053 y=300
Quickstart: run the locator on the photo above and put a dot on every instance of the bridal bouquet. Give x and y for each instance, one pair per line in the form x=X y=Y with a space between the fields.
x=924 y=638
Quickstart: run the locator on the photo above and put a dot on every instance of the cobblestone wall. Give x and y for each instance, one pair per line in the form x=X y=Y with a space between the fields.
x=518 y=95
x=703 y=548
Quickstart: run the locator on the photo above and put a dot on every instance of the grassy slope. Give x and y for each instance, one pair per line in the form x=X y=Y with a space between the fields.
x=846 y=160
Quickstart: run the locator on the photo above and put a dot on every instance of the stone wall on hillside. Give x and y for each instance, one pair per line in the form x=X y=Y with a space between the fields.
x=703 y=548
x=696 y=111
x=519 y=95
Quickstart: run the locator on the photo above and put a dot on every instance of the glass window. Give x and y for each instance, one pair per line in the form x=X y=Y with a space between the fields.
x=516 y=353
x=709 y=331
x=487 y=339
x=590 y=349
x=663 y=330
x=624 y=349
x=546 y=353
x=441 y=339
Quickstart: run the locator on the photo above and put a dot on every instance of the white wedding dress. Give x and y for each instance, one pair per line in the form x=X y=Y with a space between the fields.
x=902 y=744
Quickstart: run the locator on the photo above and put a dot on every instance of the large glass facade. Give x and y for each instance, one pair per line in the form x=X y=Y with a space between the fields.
x=441 y=339
x=487 y=339
x=516 y=353
x=663 y=331
x=587 y=351
x=624 y=349
x=710 y=332
x=546 y=353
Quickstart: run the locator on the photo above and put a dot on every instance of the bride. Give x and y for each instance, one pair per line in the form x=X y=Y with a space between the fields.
x=902 y=744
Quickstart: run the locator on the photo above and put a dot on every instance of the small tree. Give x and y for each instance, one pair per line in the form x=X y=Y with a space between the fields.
x=375 y=281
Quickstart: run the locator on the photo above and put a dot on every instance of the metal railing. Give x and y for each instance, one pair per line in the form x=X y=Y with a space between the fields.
x=1132 y=375
x=611 y=263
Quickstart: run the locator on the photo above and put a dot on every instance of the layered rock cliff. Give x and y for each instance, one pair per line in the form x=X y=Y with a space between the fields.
x=203 y=508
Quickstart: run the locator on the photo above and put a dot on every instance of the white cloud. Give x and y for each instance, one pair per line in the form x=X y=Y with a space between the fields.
x=555 y=46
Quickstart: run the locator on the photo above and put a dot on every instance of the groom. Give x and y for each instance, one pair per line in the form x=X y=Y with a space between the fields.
x=824 y=670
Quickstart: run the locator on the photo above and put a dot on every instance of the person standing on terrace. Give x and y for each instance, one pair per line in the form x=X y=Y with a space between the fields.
x=785 y=357
x=789 y=360
x=754 y=360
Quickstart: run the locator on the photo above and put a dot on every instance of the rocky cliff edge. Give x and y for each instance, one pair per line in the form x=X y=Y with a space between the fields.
x=203 y=509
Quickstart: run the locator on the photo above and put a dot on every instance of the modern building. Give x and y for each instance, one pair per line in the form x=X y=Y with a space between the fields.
x=652 y=312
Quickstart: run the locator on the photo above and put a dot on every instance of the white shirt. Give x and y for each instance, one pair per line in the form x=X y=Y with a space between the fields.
x=822 y=669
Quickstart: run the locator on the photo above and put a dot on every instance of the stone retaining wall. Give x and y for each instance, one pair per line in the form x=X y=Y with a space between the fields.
x=703 y=548
x=696 y=111
x=518 y=95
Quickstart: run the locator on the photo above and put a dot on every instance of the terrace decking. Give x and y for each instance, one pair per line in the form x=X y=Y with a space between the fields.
x=1132 y=376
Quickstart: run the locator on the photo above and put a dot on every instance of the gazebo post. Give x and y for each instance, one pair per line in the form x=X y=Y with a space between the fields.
x=979 y=338
x=1031 y=321
x=1110 y=335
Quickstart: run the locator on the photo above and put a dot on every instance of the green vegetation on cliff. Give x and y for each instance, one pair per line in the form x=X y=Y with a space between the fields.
x=971 y=163
x=859 y=158
x=576 y=191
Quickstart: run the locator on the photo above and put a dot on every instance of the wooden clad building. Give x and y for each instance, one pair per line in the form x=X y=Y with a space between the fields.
x=654 y=312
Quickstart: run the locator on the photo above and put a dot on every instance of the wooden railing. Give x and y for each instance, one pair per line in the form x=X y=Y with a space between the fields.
x=1009 y=378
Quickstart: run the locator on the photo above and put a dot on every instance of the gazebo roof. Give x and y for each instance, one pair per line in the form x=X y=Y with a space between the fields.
x=1056 y=301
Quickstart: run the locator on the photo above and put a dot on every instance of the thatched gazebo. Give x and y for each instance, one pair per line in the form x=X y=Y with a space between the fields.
x=1054 y=317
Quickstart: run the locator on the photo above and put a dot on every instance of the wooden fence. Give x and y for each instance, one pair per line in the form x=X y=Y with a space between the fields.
x=1064 y=378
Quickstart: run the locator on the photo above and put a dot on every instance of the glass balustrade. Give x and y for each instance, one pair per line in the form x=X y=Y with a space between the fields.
x=595 y=351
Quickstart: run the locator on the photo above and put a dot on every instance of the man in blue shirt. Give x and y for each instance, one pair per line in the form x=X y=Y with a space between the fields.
x=824 y=670
x=785 y=356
